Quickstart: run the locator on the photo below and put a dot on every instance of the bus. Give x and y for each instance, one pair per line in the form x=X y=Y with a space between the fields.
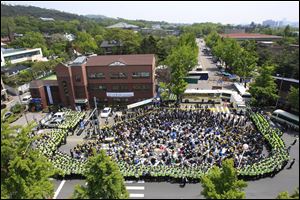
x=242 y=91
x=286 y=117
x=203 y=75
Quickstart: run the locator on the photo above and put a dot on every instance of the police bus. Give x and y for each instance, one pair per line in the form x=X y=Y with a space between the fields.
x=242 y=91
x=286 y=118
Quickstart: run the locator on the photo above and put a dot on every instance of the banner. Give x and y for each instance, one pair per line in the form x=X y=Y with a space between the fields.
x=119 y=94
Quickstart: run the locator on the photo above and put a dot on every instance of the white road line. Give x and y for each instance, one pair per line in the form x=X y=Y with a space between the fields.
x=59 y=188
x=128 y=181
x=135 y=187
x=136 y=195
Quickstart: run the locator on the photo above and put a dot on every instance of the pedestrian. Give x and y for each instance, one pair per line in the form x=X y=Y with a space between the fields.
x=289 y=148
x=295 y=141
x=292 y=163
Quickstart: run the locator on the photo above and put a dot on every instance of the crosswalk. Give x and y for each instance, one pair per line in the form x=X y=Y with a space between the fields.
x=220 y=109
x=135 y=189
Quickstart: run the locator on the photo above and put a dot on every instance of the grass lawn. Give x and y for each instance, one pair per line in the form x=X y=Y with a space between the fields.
x=50 y=77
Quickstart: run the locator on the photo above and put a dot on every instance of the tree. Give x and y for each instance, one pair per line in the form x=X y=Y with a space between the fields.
x=264 y=88
x=212 y=39
x=32 y=40
x=85 y=43
x=223 y=183
x=181 y=60
x=148 y=45
x=285 y=195
x=104 y=180
x=164 y=46
x=24 y=171
x=293 y=97
x=244 y=64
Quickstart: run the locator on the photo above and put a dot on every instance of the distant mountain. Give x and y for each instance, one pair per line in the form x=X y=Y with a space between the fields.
x=18 y=10
x=97 y=17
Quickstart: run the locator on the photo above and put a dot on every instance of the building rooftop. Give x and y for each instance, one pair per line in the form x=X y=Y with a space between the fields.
x=250 y=36
x=15 y=51
x=14 y=69
x=122 y=25
x=133 y=59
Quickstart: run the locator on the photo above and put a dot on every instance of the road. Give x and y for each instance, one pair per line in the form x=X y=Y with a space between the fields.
x=210 y=66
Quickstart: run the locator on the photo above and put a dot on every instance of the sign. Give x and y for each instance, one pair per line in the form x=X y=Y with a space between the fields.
x=139 y=103
x=119 y=94
x=81 y=100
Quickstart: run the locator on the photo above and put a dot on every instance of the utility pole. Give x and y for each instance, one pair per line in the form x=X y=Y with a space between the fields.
x=278 y=75
x=96 y=113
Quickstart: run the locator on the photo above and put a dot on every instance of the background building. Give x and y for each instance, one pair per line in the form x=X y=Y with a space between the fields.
x=111 y=79
x=20 y=55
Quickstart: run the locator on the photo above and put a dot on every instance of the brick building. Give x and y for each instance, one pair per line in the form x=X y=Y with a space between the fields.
x=112 y=79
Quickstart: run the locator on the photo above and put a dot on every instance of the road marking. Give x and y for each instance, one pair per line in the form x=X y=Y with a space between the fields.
x=135 y=187
x=128 y=181
x=59 y=189
x=136 y=195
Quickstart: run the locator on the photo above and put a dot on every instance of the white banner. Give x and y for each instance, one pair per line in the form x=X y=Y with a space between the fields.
x=119 y=94
x=49 y=94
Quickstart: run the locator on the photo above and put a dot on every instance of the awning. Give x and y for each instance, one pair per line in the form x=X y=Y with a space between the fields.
x=139 y=103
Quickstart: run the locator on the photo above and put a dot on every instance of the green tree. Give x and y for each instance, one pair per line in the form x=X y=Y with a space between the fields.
x=264 y=88
x=244 y=64
x=285 y=195
x=293 y=97
x=104 y=180
x=24 y=171
x=212 y=39
x=223 y=183
x=148 y=45
x=181 y=60
x=85 y=43
x=32 y=40
x=164 y=47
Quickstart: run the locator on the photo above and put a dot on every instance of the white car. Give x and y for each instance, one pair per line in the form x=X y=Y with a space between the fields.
x=54 y=123
x=106 y=112
x=26 y=99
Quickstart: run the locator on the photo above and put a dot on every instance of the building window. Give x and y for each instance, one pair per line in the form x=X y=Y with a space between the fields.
x=64 y=84
x=102 y=87
x=98 y=75
x=142 y=87
x=77 y=78
x=140 y=74
x=119 y=75
x=119 y=88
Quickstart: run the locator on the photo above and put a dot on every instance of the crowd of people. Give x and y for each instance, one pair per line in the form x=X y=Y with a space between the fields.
x=176 y=137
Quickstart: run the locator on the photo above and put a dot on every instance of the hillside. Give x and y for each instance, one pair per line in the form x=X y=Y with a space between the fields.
x=18 y=10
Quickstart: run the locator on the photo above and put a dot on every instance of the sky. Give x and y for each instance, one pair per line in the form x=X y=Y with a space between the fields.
x=225 y=12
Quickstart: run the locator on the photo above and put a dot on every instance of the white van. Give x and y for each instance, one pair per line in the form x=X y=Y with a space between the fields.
x=59 y=115
x=26 y=99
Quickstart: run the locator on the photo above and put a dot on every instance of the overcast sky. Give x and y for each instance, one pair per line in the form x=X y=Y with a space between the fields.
x=179 y=12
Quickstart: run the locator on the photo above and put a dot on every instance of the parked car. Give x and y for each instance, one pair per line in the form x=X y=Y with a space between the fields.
x=106 y=112
x=54 y=123
x=59 y=115
x=26 y=99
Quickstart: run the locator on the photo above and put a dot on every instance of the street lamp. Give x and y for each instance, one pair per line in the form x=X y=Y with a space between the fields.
x=278 y=75
x=245 y=147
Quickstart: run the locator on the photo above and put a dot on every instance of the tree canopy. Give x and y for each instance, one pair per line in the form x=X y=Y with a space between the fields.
x=24 y=171
x=104 y=180
x=223 y=183
x=264 y=88
x=293 y=98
